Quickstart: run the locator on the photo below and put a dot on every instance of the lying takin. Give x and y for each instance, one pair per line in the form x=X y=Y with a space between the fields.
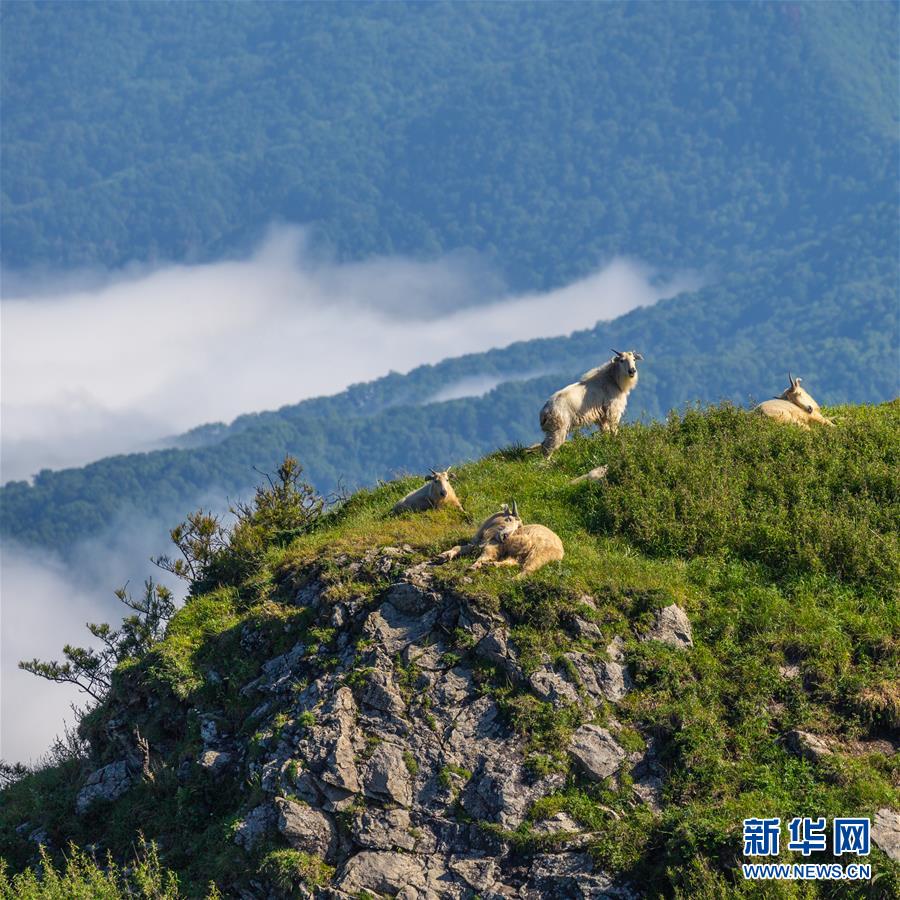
x=489 y=530
x=515 y=544
x=435 y=493
x=504 y=540
x=798 y=396
x=599 y=397
x=794 y=407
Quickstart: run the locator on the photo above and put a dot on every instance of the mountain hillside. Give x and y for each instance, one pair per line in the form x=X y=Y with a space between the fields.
x=826 y=311
x=334 y=714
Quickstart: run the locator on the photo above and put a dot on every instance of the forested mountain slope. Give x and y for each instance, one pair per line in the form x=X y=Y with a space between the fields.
x=547 y=137
x=755 y=144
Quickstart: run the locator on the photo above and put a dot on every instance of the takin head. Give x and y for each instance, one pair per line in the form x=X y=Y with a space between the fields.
x=441 y=491
x=499 y=526
x=799 y=397
x=624 y=368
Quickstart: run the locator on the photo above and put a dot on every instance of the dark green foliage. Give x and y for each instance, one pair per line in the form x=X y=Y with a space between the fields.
x=547 y=138
x=91 y=669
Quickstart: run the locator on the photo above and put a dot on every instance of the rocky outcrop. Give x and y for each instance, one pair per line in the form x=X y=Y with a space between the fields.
x=306 y=829
x=106 y=784
x=396 y=763
x=672 y=627
x=886 y=832
x=596 y=752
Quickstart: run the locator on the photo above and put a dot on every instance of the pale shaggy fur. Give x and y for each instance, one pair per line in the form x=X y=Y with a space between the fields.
x=599 y=397
x=435 y=493
x=489 y=530
x=528 y=546
x=795 y=407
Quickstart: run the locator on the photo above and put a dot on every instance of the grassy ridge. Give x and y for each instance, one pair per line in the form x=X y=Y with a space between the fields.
x=781 y=545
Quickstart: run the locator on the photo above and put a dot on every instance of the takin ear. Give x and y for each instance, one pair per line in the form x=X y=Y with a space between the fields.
x=639 y=356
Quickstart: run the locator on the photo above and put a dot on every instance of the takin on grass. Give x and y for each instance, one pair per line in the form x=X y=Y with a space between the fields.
x=504 y=540
x=795 y=407
x=599 y=397
x=436 y=492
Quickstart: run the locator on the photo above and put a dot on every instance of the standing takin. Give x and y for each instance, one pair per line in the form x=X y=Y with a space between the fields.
x=794 y=407
x=435 y=493
x=599 y=397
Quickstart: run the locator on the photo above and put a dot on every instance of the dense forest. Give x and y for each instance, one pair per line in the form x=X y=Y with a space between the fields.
x=548 y=137
x=754 y=143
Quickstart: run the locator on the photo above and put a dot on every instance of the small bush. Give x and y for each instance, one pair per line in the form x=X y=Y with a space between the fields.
x=286 y=869
x=82 y=877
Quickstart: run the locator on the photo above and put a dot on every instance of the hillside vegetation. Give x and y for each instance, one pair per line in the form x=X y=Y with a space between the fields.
x=782 y=548
x=548 y=139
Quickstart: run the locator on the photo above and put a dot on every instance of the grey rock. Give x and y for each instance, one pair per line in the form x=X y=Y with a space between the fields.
x=886 y=832
x=603 y=679
x=329 y=747
x=498 y=790
x=476 y=724
x=561 y=823
x=596 y=752
x=383 y=872
x=393 y=630
x=552 y=687
x=494 y=647
x=671 y=627
x=384 y=829
x=106 y=784
x=809 y=746
x=277 y=672
x=387 y=777
x=411 y=599
x=305 y=828
x=209 y=732
x=381 y=692
x=584 y=629
x=649 y=791
x=214 y=762
x=571 y=876
x=479 y=873
x=253 y=827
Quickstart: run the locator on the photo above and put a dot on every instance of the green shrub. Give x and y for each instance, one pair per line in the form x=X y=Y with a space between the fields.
x=83 y=878
x=287 y=869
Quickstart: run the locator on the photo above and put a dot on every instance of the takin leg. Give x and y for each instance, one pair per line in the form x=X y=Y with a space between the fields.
x=506 y=561
x=533 y=561
x=489 y=555
x=552 y=442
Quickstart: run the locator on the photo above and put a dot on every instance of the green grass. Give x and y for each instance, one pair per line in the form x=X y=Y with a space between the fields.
x=781 y=545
